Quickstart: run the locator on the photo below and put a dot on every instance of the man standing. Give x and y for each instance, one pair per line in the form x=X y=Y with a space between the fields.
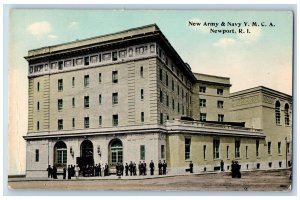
x=126 y=169
x=54 y=172
x=151 y=165
x=222 y=165
x=131 y=168
x=69 y=172
x=122 y=169
x=140 y=168
x=49 y=169
x=159 y=167
x=191 y=167
x=144 y=168
x=64 y=173
x=164 y=166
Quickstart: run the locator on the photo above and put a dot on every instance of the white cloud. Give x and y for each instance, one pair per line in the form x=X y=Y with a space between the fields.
x=198 y=25
x=253 y=36
x=224 y=42
x=51 y=36
x=39 y=29
x=73 y=25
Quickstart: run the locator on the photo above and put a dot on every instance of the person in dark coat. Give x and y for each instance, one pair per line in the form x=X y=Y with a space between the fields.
x=164 y=166
x=134 y=169
x=222 y=165
x=64 y=173
x=131 y=168
x=140 y=168
x=151 y=165
x=159 y=168
x=122 y=169
x=49 y=169
x=69 y=172
x=233 y=169
x=54 y=172
x=191 y=167
x=126 y=169
x=144 y=168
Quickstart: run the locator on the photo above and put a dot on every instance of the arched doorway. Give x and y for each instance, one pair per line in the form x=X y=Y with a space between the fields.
x=60 y=154
x=116 y=152
x=87 y=152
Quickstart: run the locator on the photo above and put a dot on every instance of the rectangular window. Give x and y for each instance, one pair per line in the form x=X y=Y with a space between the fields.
x=167 y=61
x=204 y=152
x=86 y=80
x=142 y=152
x=115 y=98
x=73 y=81
x=115 y=76
x=202 y=117
x=100 y=99
x=162 y=151
x=100 y=120
x=246 y=151
x=60 y=65
x=167 y=80
x=216 y=148
x=37 y=155
x=106 y=56
x=122 y=54
x=202 y=89
x=73 y=122
x=86 y=60
x=38 y=125
x=114 y=56
x=178 y=107
x=38 y=105
x=172 y=85
x=142 y=94
x=115 y=120
x=142 y=117
x=220 y=91
x=59 y=104
x=60 y=124
x=227 y=152
x=269 y=148
x=142 y=71
x=167 y=99
x=288 y=147
x=86 y=122
x=38 y=86
x=100 y=77
x=178 y=90
x=187 y=145
x=173 y=104
x=60 y=85
x=79 y=61
x=279 y=148
x=161 y=96
x=220 y=118
x=182 y=93
x=73 y=102
x=160 y=75
x=202 y=103
x=86 y=102
x=237 y=148
x=161 y=118
x=220 y=104
x=257 y=148
x=94 y=59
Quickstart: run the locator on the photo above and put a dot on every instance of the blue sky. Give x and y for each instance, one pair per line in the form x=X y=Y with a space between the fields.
x=263 y=57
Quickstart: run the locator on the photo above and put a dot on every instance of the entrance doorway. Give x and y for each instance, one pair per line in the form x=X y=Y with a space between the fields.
x=87 y=153
x=60 y=154
x=116 y=152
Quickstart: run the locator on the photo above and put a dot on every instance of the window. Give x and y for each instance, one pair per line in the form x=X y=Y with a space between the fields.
x=37 y=155
x=73 y=102
x=187 y=145
x=173 y=104
x=152 y=48
x=141 y=50
x=216 y=148
x=167 y=61
x=115 y=120
x=202 y=117
x=277 y=112
x=269 y=148
x=204 y=152
x=237 y=148
x=220 y=91
x=38 y=125
x=142 y=117
x=178 y=107
x=100 y=77
x=115 y=76
x=142 y=152
x=130 y=52
x=106 y=56
x=288 y=147
x=142 y=94
x=182 y=95
x=73 y=122
x=115 y=98
x=227 y=152
x=100 y=99
x=182 y=109
x=142 y=71
x=60 y=104
x=161 y=118
x=202 y=89
x=79 y=61
x=257 y=148
x=286 y=115
x=178 y=90
x=86 y=80
x=100 y=120
x=246 y=151
x=220 y=104
x=73 y=81
x=94 y=59
x=172 y=85
x=38 y=86
x=202 y=103
x=220 y=118
x=114 y=56
x=38 y=105
x=86 y=60
x=60 y=85
x=122 y=54
x=86 y=102
x=160 y=75
x=161 y=96
x=279 y=148
x=68 y=63
x=167 y=80
x=60 y=65
x=162 y=151
x=167 y=99
x=60 y=124
x=86 y=122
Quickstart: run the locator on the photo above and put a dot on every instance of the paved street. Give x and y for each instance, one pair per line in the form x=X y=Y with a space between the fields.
x=275 y=180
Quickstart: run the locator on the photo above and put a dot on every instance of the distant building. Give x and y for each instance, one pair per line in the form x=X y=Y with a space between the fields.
x=128 y=96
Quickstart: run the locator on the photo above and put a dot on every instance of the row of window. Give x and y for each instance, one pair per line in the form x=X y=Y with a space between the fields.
x=220 y=91
x=279 y=146
x=202 y=103
x=187 y=83
x=203 y=117
x=286 y=114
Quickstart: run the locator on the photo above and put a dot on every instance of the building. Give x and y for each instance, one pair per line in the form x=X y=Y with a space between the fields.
x=121 y=97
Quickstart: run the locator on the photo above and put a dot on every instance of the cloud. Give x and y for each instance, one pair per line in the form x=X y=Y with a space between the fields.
x=39 y=29
x=253 y=36
x=224 y=42
x=198 y=25
x=73 y=25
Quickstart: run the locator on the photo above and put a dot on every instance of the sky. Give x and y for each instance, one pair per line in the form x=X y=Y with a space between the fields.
x=263 y=57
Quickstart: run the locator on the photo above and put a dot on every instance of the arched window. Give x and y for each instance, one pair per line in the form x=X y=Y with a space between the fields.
x=286 y=115
x=87 y=152
x=60 y=154
x=116 y=149
x=277 y=112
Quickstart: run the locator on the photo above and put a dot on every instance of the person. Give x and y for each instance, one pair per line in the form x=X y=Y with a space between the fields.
x=144 y=168
x=134 y=169
x=64 y=173
x=222 y=165
x=54 y=172
x=191 y=167
x=140 y=168
x=126 y=169
x=164 y=166
x=72 y=170
x=238 y=168
x=77 y=171
x=122 y=169
x=49 y=169
x=159 y=168
x=69 y=172
x=131 y=168
x=99 y=170
x=151 y=165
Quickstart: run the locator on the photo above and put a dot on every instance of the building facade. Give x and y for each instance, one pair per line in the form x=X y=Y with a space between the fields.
x=121 y=97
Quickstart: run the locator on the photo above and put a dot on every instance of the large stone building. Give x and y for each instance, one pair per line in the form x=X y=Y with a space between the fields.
x=129 y=96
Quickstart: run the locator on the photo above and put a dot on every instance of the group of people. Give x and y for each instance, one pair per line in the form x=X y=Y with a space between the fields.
x=52 y=172
x=95 y=170
x=235 y=170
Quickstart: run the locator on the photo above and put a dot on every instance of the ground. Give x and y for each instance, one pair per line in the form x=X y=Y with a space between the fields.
x=271 y=180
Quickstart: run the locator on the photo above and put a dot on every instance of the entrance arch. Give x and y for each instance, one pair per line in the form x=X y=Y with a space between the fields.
x=87 y=152
x=116 y=152
x=60 y=154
